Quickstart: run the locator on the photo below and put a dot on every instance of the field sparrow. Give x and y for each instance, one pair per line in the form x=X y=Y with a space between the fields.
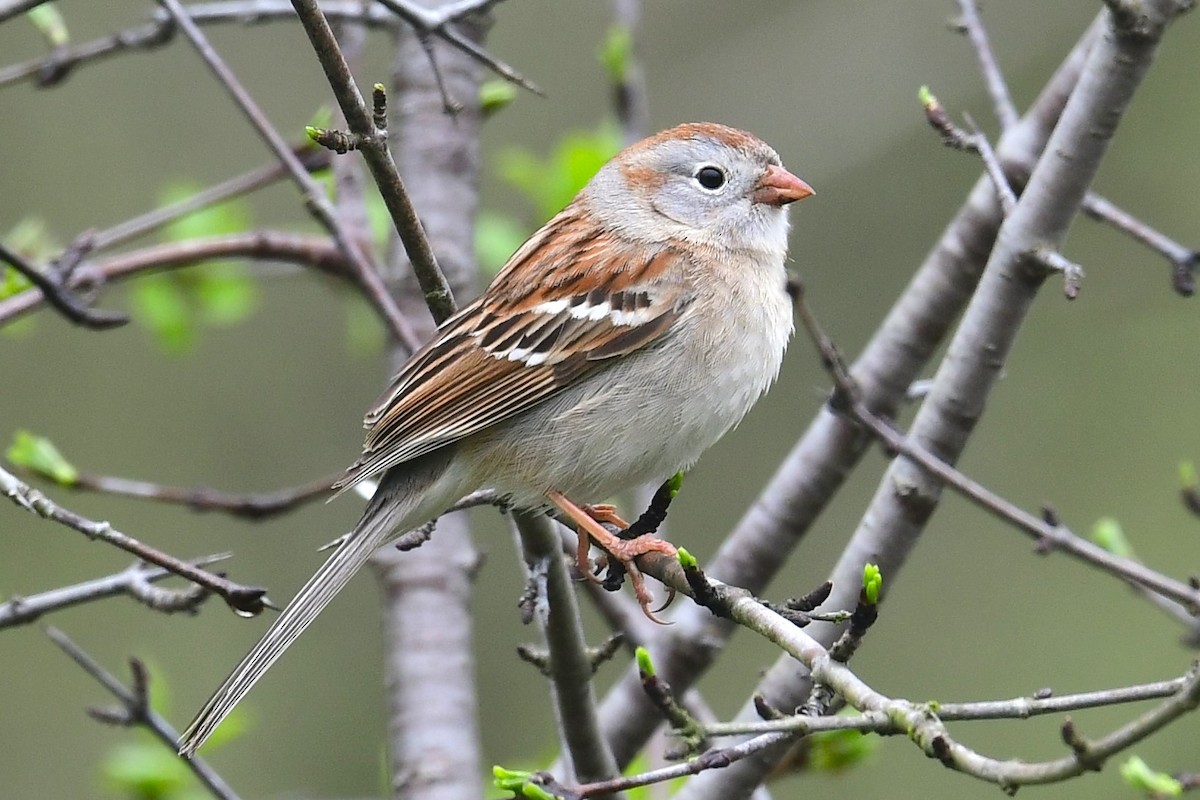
x=622 y=340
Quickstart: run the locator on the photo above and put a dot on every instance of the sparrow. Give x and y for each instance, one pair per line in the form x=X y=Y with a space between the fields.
x=624 y=338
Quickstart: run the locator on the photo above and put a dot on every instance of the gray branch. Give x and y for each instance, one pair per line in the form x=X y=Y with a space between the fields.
x=908 y=495
x=828 y=451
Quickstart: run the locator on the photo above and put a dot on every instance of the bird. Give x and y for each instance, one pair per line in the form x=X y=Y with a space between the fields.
x=625 y=337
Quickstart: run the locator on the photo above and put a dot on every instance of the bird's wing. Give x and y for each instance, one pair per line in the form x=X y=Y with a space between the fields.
x=567 y=302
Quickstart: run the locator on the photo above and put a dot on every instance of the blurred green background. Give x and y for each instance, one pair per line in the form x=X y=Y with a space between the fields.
x=1094 y=413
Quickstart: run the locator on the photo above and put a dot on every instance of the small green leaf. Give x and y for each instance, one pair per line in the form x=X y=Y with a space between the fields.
x=687 y=560
x=226 y=293
x=644 y=662
x=50 y=23
x=1187 y=474
x=39 y=455
x=675 y=484
x=158 y=304
x=31 y=238
x=146 y=770
x=552 y=182
x=872 y=583
x=12 y=282
x=1108 y=534
x=616 y=53
x=837 y=751
x=520 y=783
x=231 y=216
x=535 y=792
x=495 y=95
x=1139 y=776
x=497 y=236
x=926 y=97
x=171 y=304
x=321 y=118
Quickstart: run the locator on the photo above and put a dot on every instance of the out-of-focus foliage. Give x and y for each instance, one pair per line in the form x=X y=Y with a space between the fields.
x=172 y=304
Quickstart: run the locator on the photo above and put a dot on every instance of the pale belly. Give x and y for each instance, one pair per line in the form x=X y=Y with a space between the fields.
x=642 y=423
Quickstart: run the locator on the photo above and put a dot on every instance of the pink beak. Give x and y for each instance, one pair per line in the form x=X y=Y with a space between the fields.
x=780 y=187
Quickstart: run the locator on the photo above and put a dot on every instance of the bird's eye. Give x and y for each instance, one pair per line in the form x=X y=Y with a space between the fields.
x=710 y=177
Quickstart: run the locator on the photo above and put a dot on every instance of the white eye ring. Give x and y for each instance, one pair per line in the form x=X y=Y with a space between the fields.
x=710 y=177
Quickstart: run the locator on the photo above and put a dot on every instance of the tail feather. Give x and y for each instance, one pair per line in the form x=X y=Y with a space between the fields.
x=398 y=503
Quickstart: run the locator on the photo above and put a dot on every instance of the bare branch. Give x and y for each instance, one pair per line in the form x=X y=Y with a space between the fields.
x=993 y=77
x=1053 y=535
x=315 y=199
x=907 y=496
x=437 y=22
x=1183 y=260
x=569 y=665
x=61 y=298
x=300 y=249
x=1008 y=200
x=374 y=148
x=135 y=581
x=246 y=600
x=137 y=710
x=247 y=506
x=920 y=722
x=827 y=452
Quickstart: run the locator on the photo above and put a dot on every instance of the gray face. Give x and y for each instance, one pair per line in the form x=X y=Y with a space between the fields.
x=705 y=185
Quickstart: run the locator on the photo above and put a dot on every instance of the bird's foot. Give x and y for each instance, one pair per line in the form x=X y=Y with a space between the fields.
x=590 y=521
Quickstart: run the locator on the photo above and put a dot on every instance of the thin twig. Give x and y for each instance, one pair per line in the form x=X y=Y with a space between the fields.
x=1055 y=261
x=920 y=722
x=247 y=506
x=61 y=298
x=269 y=247
x=569 y=666
x=1058 y=536
x=61 y=62
x=374 y=148
x=1183 y=260
x=1016 y=708
x=246 y=600
x=995 y=171
x=134 y=581
x=312 y=158
x=314 y=197
x=993 y=77
x=136 y=710
x=437 y=22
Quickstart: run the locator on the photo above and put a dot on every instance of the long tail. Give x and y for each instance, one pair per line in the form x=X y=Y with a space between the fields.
x=403 y=496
